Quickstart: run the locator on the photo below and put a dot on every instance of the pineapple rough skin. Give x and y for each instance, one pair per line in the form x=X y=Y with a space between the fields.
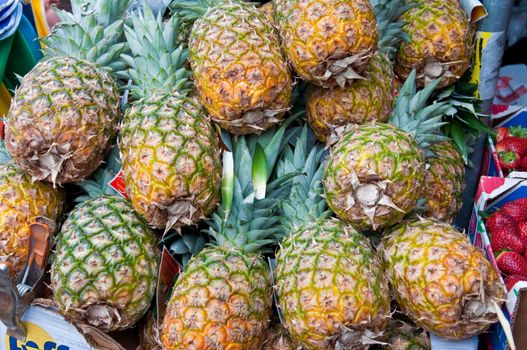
x=62 y=120
x=440 y=280
x=104 y=271
x=374 y=175
x=327 y=42
x=241 y=76
x=330 y=286
x=171 y=160
x=441 y=42
x=364 y=101
x=222 y=300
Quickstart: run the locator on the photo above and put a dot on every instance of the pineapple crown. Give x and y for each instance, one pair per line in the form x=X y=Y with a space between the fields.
x=248 y=217
x=157 y=63
x=465 y=124
x=304 y=203
x=390 y=29
x=98 y=183
x=414 y=113
x=93 y=31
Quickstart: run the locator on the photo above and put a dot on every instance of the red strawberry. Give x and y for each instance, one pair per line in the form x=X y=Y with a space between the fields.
x=502 y=133
x=500 y=220
x=502 y=239
x=511 y=280
x=510 y=151
x=516 y=209
x=512 y=263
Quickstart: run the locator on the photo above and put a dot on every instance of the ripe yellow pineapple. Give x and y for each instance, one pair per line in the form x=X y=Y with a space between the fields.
x=169 y=146
x=364 y=101
x=327 y=42
x=241 y=76
x=441 y=42
x=444 y=182
x=328 y=279
x=223 y=298
x=440 y=280
x=22 y=200
x=66 y=111
x=368 y=99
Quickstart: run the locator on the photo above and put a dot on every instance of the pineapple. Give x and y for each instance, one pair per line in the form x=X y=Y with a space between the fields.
x=444 y=182
x=222 y=299
x=375 y=172
x=278 y=339
x=22 y=202
x=170 y=148
x=441 y=42
x=242 y=78
x=328 y=279
x=365 y=100
x=66 y=111
x=440 y=280
x=328 y=43
x=104 y=270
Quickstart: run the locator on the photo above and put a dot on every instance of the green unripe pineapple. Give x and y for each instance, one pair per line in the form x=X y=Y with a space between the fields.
x=104 y=270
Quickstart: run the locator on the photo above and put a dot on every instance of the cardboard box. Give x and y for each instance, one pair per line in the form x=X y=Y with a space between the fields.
x=494 y=192
x=502 y=116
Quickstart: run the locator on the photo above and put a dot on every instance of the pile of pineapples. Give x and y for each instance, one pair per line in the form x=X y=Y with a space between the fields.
x=297 y=154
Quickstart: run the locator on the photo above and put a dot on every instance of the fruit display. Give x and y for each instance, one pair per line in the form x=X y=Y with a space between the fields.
x=229 y=283
x=279 y=175
x=375 y=172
